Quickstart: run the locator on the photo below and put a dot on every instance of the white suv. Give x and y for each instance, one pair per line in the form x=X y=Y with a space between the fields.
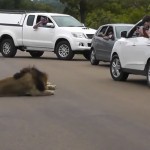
x=130 y=55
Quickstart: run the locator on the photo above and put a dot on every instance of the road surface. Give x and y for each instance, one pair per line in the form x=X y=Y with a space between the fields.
x=89 y=110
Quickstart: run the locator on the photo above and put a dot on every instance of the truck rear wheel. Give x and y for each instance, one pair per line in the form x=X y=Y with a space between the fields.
x=64 y=51
x=36 y=54
x=7 y=48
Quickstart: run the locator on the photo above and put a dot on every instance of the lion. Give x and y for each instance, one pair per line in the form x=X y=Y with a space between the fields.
x=28 y=82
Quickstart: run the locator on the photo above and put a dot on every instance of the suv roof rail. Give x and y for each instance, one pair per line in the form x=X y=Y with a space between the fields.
x=20 y=11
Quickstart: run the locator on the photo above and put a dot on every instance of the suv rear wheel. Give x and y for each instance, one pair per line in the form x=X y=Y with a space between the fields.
x=116 y=70
x=63 y=50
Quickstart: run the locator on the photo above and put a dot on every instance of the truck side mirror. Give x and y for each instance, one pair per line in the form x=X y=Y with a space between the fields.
x=124 y=34
x=83 y=24
x=50 y=25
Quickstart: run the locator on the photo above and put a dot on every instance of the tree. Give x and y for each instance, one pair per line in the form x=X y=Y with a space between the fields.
x=117 y=11
x=91 y=12
x=77 y=8
x=56 y=5
x=104 y=17
x=6 y=4
x=24 y=5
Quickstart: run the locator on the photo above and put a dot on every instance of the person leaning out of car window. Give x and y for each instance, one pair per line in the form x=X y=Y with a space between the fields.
x=43 y=21
x=110 y=36
x=144 y=30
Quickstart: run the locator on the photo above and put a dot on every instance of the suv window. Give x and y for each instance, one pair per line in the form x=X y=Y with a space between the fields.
x=30 y=20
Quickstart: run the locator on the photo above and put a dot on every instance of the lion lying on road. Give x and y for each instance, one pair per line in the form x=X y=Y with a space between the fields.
x=28 y=82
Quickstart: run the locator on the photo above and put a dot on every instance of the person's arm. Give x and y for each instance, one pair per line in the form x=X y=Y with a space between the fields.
x=106 y=37
x=37 y=25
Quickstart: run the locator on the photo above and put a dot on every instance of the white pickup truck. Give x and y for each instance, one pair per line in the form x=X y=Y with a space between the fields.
x=63 y=35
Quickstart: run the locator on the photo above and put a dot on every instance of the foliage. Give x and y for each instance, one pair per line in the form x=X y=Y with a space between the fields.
x=100 y=12
x=92 y=13
x=24 y=5
x=98 y=17
x=77 y=7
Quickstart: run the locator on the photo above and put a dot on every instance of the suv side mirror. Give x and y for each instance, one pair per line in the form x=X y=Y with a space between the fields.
x=124 y=34
x=50 y=25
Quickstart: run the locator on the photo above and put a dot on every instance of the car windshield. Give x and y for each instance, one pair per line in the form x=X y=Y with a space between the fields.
x=119 y=29
x=67 y=21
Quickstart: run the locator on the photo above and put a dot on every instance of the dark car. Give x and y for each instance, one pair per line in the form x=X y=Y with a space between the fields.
x=103 y=41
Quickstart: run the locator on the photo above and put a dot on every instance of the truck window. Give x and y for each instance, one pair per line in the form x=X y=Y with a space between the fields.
x=41 y=21
x=67 y=21
x=39 y=18
x=30 y=20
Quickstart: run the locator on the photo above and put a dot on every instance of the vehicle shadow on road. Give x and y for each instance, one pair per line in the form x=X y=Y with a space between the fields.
x=44 y=58
x=51 y=58
x=105 y=65
x=140 y=82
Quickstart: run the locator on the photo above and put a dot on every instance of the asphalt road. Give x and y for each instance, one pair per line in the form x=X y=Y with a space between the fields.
x=89 y=110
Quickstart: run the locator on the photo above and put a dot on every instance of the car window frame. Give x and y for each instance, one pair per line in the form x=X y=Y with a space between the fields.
x=30 y=20
x=113 y=31
x=38 y=19
x=107 y=31
x=100 y=29
x=130 y=34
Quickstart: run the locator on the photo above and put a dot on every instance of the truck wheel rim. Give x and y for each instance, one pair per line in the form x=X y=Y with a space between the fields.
x=6 y=48
x=116 y=68
x=64 y=50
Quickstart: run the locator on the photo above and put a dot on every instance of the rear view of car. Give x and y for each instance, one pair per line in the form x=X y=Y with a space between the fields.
x=103 y=41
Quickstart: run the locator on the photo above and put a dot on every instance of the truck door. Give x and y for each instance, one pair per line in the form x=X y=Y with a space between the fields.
x=40 y=38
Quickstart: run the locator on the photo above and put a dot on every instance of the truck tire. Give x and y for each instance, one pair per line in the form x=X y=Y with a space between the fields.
x=7 y=48
x=63 y=51
x=36 y=54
